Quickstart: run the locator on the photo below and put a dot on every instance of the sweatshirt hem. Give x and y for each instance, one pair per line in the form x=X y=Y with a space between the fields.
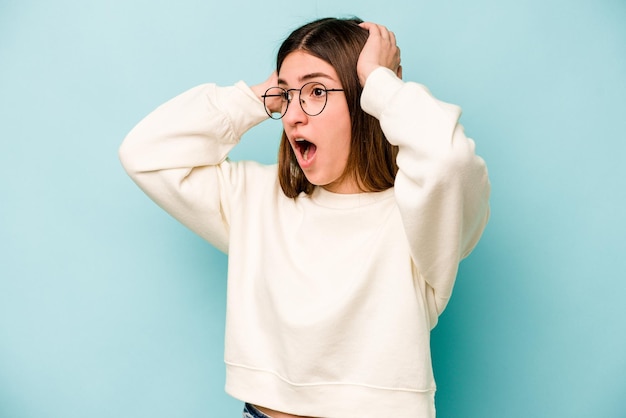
x=326 y=399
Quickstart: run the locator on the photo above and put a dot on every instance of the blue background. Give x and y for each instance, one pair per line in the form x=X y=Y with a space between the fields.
x=109 y=308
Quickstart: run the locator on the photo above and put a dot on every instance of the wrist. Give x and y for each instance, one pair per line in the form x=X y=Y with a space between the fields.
x=382 y=85
x=364 y=73
x=259 y=90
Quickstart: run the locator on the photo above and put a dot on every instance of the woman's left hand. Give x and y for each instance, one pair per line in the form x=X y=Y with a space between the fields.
x=380 y=50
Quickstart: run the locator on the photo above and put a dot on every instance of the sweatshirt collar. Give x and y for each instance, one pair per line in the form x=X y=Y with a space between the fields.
x=332 y=200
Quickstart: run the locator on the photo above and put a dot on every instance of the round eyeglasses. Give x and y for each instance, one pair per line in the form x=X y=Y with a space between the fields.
x=313 y=98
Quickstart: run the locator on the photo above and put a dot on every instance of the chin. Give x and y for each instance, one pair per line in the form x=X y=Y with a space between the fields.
x=320 y=182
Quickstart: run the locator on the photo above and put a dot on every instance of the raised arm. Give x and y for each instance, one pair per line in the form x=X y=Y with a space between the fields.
x=177 y=154
x=442 y=188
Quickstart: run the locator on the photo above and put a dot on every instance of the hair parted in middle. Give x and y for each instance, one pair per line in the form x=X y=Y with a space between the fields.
x=372 y=159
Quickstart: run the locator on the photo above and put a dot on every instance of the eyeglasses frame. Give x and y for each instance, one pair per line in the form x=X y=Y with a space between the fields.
x=290 y=98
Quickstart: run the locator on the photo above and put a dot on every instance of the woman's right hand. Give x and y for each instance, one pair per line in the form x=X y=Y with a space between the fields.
x=260 y=90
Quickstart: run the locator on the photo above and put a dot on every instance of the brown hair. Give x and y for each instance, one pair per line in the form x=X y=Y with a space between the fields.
x=372 y=160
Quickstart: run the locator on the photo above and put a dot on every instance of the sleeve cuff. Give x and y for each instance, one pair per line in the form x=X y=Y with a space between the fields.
x=242 y=107
x=380 y=87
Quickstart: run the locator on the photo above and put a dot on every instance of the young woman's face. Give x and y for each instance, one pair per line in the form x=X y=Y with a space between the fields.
x=321 y=143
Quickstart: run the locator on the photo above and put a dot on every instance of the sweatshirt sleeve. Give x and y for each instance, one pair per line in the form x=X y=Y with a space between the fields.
x=178 y=154
x=442 y=187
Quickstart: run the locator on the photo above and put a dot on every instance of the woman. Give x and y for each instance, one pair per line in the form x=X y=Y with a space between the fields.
x=342 y=256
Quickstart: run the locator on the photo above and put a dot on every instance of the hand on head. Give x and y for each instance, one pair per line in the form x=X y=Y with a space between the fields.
x=380 y=50
x=260 y=89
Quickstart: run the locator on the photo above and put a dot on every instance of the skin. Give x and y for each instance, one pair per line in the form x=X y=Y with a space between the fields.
x=330 y=130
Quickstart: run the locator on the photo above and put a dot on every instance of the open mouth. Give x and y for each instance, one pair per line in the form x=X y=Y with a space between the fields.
x=307 y=149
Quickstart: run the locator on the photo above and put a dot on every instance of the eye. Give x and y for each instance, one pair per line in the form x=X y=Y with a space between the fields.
x=318 y=92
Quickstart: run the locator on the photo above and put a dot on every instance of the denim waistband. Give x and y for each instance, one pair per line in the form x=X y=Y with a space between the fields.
x=250 y=411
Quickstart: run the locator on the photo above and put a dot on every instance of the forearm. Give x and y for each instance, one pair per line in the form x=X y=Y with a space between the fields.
x=196 y=128
x=176 y=154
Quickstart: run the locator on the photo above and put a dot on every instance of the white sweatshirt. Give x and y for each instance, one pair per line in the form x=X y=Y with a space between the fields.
x=331 y=297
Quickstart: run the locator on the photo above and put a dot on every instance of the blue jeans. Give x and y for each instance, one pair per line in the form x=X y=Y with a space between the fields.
x=250 y=411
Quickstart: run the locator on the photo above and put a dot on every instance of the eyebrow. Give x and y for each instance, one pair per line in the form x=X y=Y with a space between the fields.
x=307 y=77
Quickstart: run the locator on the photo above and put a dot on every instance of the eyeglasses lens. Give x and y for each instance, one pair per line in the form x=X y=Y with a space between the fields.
x=312 y=99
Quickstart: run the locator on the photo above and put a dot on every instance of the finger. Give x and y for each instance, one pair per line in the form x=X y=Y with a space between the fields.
x=388 y=37
x=373 y=29
x=392 y=38
x=385 y=33
x=367 y=25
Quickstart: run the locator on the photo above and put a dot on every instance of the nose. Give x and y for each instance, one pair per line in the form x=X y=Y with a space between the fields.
x=294 y=114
